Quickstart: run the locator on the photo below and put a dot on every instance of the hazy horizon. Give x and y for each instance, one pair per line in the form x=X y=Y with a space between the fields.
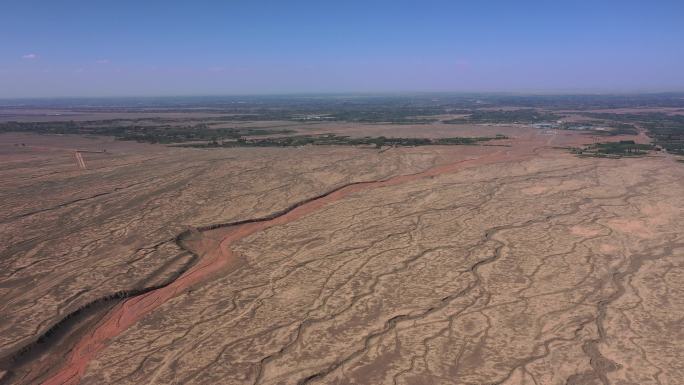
x=331 y=94
x=210 y=48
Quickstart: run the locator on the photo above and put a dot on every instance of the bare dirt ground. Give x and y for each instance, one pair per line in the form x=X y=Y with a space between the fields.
x=433 y=130
x=427 y=265
x=71 y=236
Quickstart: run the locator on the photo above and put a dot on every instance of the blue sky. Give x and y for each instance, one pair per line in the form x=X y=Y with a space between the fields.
x=119 y=48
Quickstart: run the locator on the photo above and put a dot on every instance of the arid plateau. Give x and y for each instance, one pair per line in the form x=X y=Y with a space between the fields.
x=512 y=261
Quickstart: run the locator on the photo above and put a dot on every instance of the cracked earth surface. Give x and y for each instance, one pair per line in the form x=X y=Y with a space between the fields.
x=491 y=265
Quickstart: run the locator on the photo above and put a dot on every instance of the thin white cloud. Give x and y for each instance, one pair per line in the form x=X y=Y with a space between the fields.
x=30 y=56
x=102 y=61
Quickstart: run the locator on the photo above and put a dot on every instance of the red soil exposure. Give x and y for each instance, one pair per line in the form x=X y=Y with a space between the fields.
x=217 y=256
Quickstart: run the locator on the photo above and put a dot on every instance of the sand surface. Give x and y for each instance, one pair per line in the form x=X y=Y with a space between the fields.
x=459 y=265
